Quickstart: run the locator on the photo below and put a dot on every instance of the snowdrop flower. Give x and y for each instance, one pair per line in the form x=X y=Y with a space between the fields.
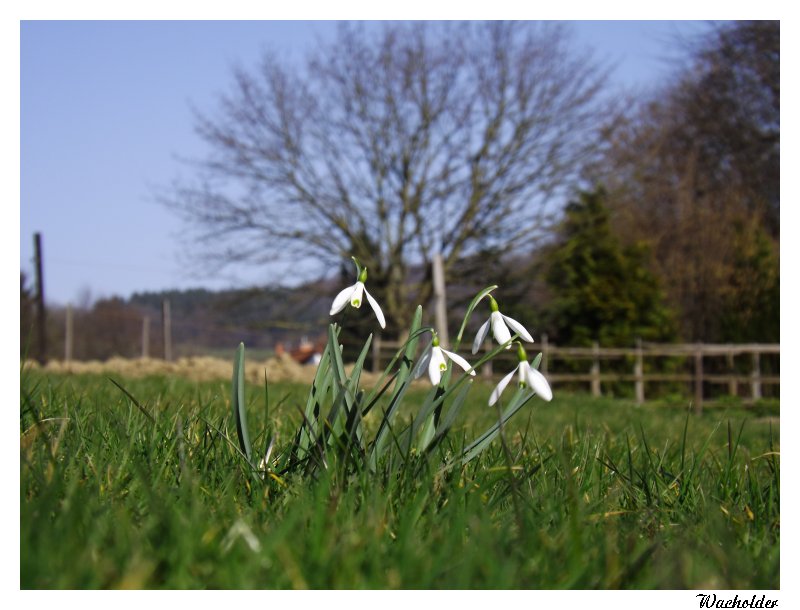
x=354 y=295
x=528 y=376
x=499 y=324
x=436 y=362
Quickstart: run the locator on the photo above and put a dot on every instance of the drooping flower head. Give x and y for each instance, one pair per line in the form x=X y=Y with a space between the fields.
x=528 y=377
x=354 y=295
x=499 y=325
x=435 y=361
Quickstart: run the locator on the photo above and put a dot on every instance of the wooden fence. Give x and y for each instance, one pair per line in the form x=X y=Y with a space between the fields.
x=695 y=353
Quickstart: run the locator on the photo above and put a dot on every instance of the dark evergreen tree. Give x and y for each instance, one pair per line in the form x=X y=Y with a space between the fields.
x=601 y=290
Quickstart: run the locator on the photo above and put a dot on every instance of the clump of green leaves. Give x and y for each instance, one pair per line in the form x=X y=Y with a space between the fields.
x=333 y=432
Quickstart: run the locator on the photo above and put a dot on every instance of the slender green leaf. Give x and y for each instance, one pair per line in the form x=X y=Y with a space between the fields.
x=426 y=433
x=354 y=416
x=238 y=404
x=319 y=389
x=519 y=400
x=449 y=418
x=402 y=383
x=341 y=393
x=473 y=304
x=405 y=355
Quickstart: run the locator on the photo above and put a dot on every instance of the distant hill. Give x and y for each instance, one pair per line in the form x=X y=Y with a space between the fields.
x=260 y=316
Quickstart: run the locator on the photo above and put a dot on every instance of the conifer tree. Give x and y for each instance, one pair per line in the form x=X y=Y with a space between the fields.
x=602 y=291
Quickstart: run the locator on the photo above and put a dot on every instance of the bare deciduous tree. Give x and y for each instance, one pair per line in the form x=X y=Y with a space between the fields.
x=393 y=145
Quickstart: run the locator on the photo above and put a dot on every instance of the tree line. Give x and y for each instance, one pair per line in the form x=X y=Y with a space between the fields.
x=501 y=148
x=203 y=322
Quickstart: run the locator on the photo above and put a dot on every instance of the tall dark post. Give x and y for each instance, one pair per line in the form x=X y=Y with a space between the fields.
x=698 y=378
x=68 y=335
x=166 y=325
x=146 y=337
x=638 y=373
x=440 y=300
x=40 y=311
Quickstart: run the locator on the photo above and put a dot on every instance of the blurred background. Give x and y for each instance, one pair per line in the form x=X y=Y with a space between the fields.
x=189 y=185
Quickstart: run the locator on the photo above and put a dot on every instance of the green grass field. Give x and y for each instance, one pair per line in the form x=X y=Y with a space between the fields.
x=599 y=494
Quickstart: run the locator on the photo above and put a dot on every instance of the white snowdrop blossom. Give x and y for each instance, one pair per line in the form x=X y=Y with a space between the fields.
x=499 y=325
x=355 y=294
x=436 y=362
x=528 y=376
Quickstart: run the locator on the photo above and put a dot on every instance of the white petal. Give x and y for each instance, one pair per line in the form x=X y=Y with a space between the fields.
x=376 y=308
x=460 y=361
x=357 y=298
x=500 y=387
x=422 y=365
x=499 y=329
x=342 y=299
x=434 y=374
x=518 y=328
x=481 y=336
x=523 y=368
x=435 y=365
x=539 y=384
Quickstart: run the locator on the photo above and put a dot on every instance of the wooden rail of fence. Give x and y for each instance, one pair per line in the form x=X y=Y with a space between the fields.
x=383 y=350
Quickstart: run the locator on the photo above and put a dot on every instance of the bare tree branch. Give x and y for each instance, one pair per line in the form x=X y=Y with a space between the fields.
x=391 y=145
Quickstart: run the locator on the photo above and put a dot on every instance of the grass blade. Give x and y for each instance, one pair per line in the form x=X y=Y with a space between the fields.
x=133 y=399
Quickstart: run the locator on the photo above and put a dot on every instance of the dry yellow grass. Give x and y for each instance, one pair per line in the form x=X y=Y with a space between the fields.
x=198 y=368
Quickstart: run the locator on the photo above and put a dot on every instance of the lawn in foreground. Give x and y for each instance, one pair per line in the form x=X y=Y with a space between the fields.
x=600 y=494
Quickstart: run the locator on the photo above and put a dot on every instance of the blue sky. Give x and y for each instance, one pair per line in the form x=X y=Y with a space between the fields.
x=106 y=115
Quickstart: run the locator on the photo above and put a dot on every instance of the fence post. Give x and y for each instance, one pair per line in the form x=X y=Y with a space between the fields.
x=733 y=386
x=146 y=337
x=545 y=347
x=41 y=312
x=692 y=374
x=595 y=369
x=698 y=378
x=487 y=369
x=166 y=324
x=755 y=377
x=440 y=300
x=638 y=372
x=376 y=353
x=68 y=336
